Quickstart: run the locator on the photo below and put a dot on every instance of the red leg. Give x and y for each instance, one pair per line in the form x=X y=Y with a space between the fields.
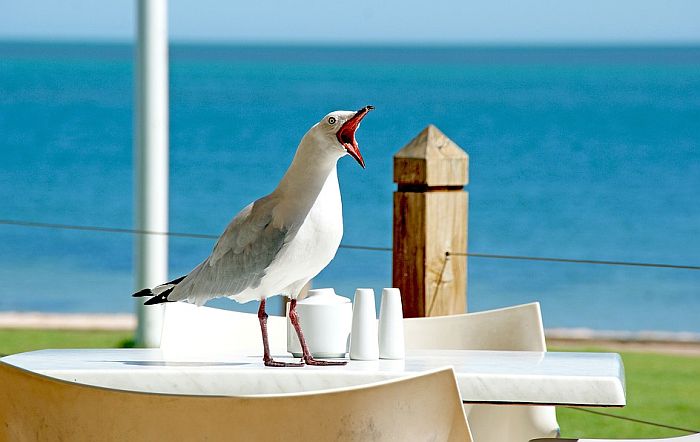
x=269 y=362
x=294 y=318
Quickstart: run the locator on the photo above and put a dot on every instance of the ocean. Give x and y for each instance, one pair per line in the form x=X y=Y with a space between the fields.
x=584 y=153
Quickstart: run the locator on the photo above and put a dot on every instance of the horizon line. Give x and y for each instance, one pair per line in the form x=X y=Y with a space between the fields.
x=366 y=44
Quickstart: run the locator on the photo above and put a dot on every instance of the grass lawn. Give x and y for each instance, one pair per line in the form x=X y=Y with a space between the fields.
x=660 y=388
x=17 y=341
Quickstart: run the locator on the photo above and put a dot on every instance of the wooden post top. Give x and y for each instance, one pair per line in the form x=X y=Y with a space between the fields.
x=431 y=160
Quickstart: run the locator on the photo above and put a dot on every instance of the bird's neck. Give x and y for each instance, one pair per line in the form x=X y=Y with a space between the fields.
x=312 y=175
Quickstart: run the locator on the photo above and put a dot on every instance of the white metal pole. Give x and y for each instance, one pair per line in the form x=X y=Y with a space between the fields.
x=151 y=157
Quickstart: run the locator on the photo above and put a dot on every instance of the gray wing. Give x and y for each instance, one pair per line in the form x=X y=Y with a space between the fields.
x=240 y=257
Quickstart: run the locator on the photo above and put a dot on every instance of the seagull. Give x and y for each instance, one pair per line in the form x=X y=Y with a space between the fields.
x=277 y=244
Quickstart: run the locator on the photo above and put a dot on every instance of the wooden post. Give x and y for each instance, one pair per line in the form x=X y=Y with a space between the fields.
x=430 y=218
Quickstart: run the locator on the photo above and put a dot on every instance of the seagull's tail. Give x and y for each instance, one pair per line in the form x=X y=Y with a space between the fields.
x=160 y=293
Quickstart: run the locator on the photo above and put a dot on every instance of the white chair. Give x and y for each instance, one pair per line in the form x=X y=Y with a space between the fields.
x=192 y=330
x=689 y=438
x=517 y=328
x=40 y=408
x=189 y=330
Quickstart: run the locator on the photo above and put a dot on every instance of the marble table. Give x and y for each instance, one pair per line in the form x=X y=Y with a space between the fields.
x=511 y=377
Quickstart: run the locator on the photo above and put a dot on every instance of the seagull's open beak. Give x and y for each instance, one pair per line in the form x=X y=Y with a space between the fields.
x=346 y=134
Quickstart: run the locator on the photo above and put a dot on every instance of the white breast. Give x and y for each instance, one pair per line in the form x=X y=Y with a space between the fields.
x=311 y=249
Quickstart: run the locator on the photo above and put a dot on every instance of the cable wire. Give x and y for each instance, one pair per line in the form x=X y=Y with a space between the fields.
x=10 y=222
x=437 y=286
x=576 y=261
x=631 y=419
x=35 y=224
x=103 y=229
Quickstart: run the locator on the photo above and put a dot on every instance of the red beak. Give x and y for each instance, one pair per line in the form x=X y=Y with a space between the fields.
x=346 y=134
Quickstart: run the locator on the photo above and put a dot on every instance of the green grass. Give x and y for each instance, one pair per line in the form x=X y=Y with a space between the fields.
x=17 y=341
x=660 y=388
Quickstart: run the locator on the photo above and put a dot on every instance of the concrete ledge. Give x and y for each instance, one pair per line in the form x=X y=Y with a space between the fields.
x=621 y=335
x=681 y=343
x=67 y=321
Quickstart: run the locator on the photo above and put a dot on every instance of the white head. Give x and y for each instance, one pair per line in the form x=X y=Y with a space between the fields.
x=337 y=131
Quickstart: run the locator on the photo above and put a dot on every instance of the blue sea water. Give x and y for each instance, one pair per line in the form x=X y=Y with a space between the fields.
x=586 y=153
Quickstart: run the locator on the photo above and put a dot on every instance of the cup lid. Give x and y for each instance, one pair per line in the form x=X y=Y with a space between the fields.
x=323 y=296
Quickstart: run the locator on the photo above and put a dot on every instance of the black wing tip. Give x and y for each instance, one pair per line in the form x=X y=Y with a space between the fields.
x=142 y=293
x=156 y=300
x=163 y=297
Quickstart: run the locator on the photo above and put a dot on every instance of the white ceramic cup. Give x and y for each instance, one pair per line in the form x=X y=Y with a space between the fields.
x=325 y=319
x=391 y=340
x=364 y=345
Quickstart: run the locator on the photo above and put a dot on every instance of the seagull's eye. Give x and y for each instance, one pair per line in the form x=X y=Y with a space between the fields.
x=331 y=120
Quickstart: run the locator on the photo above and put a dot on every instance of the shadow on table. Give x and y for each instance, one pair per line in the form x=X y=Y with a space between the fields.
x=180 y=363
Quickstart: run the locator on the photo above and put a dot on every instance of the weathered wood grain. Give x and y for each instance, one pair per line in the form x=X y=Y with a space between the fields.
x=430 y=218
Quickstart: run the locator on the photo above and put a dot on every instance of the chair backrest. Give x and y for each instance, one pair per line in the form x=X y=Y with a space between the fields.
x=517 y=328
x=425 y=407
x=188 y=329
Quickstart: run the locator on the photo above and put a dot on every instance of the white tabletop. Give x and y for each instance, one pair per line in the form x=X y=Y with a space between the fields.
x=555 y=378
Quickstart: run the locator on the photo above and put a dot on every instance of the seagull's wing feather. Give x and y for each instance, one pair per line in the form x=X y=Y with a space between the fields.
x=240 y=257
x=245 y=230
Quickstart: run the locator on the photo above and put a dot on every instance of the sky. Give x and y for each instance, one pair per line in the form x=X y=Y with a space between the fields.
x=366 y=21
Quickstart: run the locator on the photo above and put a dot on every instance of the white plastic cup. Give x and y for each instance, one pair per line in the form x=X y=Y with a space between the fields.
x=364 y=345
x=391 y=337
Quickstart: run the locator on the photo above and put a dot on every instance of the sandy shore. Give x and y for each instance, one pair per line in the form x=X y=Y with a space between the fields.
x=640 y=341
x=67 y=321
x=644 y=341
